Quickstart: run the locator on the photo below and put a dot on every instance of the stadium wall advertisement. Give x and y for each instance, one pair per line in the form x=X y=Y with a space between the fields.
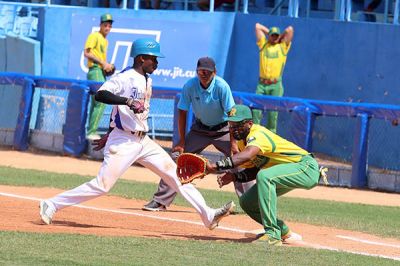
x=183 y=39
x=180 y=45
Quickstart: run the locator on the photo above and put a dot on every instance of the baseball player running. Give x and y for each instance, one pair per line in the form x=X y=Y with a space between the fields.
x=130 y=92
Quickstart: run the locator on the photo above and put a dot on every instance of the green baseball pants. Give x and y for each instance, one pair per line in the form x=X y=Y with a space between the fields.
x=96 y=108
x=260 y=201
x=272 y=117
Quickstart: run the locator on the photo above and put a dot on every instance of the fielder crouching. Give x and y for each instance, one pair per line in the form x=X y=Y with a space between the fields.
x=278 y=166
x=129 y=92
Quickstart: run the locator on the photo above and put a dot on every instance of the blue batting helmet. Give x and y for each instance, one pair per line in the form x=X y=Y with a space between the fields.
x=145 y=46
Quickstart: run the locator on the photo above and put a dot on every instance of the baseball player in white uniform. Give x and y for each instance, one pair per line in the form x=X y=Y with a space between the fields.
x=130 y=92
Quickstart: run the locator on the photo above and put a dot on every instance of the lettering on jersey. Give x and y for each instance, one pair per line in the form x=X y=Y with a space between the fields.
x=259 y=161
x=137 y=95
x=272 y=54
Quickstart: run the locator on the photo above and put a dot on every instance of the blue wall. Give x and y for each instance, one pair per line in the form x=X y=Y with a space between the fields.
x=214 y=40
x=329 y=60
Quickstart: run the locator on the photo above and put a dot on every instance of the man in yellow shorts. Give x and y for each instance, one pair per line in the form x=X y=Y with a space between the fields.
x=96 y=53
x=277 y=165
x=273 y=53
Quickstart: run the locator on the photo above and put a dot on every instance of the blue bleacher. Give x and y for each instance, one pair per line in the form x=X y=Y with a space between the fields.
x=19 y=20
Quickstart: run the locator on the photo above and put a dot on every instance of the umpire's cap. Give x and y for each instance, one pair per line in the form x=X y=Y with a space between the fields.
x=239 y=113
x=145 y=46
x=106 y=18
x=206 y=63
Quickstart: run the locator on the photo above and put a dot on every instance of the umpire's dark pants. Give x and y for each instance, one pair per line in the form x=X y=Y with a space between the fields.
x=196 y=141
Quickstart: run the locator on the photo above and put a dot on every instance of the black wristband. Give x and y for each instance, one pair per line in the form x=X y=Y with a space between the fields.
x=224 y=164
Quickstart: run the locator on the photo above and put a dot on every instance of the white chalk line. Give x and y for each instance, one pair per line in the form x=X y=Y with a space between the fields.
x=368 y=241
x=316 y=246
x=236 y=230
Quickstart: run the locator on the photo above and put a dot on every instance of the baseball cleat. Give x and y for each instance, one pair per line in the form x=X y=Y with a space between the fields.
x=46 y=212
x=266 y=239
x=221 y=213
x=154 y=206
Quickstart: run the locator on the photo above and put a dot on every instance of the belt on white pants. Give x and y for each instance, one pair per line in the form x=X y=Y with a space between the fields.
x=138 y=133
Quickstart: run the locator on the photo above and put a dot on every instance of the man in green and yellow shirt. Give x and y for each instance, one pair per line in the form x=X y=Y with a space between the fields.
x=96 y=53
x=277 y=165
x=273 y=54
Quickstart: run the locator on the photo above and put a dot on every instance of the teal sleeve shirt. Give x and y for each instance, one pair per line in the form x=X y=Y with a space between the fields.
x=211 y=105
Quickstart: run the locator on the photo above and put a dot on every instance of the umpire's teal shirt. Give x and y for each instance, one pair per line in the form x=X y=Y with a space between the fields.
x=211 y=105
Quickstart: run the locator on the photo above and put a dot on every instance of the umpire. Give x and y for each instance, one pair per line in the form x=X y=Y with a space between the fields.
x=211 y=99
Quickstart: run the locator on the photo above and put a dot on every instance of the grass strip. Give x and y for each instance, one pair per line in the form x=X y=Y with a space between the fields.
x=18 y=248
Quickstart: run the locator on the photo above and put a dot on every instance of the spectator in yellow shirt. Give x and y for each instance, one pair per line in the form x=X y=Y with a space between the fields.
x=96 y=53
x=273 y=54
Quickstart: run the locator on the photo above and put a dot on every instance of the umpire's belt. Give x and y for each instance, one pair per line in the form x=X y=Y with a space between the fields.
x=268 y=81
x=139 y=133
x=211 y=128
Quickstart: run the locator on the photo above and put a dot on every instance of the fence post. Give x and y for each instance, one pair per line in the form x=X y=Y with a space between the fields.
x=74 y=130
x=22 y=129
x=302 y=126
x=360 y=151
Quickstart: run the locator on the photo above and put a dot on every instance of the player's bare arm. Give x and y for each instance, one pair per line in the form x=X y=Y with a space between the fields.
x=287 y=35
x=231 y=162
x=89 y=55
x=182 y=114
x=261 y=31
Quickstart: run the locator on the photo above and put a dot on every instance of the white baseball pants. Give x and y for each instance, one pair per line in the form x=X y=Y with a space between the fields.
x=121 y=151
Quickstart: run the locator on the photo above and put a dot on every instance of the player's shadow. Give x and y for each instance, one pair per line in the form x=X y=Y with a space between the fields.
x=70 y=224
x=153 y=212
x=211 y=238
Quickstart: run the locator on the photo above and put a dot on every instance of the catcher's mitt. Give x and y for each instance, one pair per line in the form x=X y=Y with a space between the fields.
x=190 y=166
x=109 y=73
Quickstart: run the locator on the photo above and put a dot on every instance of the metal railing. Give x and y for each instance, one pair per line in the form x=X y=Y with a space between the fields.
x=342 y=10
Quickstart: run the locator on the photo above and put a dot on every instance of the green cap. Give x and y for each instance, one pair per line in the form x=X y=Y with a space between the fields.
x=239 y=113
x=105 y=18
x=274 y=30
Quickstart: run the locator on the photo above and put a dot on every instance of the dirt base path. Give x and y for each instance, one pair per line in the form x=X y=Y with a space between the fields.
x=85 y=166
x=116 y=216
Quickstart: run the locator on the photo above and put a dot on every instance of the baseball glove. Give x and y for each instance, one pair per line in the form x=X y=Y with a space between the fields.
x=190 y=166
x=109 y=73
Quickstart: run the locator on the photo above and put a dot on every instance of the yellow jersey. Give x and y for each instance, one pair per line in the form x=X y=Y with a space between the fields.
x=98 y=46
x=273 y=148
x=272 y=58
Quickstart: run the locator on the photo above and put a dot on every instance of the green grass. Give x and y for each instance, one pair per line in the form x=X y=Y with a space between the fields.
x=379 y=220
x=67 y=249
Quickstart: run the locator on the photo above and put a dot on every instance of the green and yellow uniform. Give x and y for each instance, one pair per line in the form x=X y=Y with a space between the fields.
x=98 y=47
x=283 y=166
x=272 y=63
